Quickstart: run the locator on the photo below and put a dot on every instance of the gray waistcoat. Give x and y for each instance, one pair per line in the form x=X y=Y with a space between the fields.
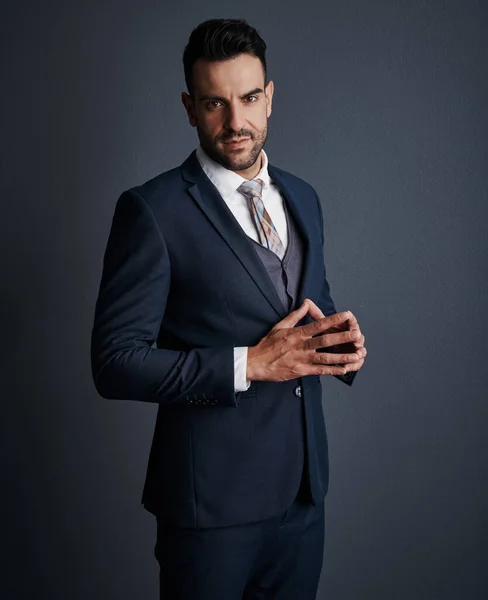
x=285 y=274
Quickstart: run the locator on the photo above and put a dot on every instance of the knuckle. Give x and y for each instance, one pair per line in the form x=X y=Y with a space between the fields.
x=289 y=336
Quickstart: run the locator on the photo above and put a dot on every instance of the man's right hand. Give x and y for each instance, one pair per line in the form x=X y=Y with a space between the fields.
x=288 y=352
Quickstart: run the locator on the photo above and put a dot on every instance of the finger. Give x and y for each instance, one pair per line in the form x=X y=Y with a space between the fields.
x=314 y=311
x=337 y=329
x=361 y=352
x=352 y=322
x=359 y=343
x=328 y=358
x=326 y=370
x=330 y=339
x=293 y=318
x=323 y=324
x=354 y=366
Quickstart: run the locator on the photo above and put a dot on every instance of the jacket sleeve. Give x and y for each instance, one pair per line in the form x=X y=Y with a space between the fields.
x=325 y=302
x=129 y=311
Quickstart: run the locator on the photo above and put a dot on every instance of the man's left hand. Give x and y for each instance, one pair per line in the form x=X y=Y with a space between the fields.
x=355 y=346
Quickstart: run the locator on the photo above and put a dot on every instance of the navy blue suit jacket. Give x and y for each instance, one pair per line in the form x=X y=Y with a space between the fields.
x=182 y=285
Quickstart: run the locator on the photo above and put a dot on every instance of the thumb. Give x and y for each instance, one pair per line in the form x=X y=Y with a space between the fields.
x=314 y=311
x=296 y=315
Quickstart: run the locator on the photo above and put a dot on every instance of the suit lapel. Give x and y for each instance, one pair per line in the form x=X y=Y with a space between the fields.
x=214 y=207
x=300 y=216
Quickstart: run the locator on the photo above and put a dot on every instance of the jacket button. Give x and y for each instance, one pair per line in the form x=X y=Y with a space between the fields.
x=298 y=391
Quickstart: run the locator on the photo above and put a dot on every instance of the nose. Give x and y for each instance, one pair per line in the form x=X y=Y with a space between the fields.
x=234 y=117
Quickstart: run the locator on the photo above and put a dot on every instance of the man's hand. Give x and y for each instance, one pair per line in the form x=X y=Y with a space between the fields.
x=356 y=346
x=288 y=352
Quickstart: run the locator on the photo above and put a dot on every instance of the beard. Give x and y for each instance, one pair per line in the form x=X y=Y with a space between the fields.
x=239 y=159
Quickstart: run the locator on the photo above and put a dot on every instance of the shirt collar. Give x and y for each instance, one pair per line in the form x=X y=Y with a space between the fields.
x=225 y=180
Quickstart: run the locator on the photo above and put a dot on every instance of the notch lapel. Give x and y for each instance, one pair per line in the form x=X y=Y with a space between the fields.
x=301 y=219
x=216 y=210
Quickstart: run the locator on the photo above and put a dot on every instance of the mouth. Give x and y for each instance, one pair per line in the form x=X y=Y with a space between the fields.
x=236 y=143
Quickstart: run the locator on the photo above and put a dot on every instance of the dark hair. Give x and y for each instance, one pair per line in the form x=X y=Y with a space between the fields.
x=221 y=39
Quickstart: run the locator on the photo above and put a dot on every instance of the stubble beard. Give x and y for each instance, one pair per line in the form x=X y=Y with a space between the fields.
x=241 y=160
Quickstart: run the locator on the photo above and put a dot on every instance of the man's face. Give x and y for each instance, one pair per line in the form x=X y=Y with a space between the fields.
x=230 y=106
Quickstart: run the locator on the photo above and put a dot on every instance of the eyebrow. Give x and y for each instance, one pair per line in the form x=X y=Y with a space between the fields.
x=253 y=92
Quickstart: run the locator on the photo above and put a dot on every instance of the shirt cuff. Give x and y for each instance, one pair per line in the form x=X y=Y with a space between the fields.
x=240 y=369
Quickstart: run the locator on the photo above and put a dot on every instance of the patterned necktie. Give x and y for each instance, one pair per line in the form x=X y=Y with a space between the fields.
x=267 y=234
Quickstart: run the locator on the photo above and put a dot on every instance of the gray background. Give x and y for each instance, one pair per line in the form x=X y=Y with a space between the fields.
x=382 y=107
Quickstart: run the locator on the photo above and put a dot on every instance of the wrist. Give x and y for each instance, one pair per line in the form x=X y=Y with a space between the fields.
x=251 y=367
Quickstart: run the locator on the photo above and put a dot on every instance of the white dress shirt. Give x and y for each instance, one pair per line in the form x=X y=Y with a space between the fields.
x=227 y=182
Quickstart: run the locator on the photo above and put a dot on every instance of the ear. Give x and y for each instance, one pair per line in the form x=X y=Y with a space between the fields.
x=268 y=92
x=187 y=100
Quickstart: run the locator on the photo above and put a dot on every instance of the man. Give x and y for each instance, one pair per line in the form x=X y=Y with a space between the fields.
x=214 y=303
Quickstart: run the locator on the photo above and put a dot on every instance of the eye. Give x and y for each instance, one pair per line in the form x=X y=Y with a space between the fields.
x=213 y=104
x=251 y=98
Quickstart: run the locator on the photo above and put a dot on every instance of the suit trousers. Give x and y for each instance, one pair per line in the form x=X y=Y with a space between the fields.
x=279 y=558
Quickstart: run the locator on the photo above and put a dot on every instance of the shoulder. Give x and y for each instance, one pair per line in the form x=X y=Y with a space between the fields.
x=160 y=188
x=163 y=199
x=296 y=183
